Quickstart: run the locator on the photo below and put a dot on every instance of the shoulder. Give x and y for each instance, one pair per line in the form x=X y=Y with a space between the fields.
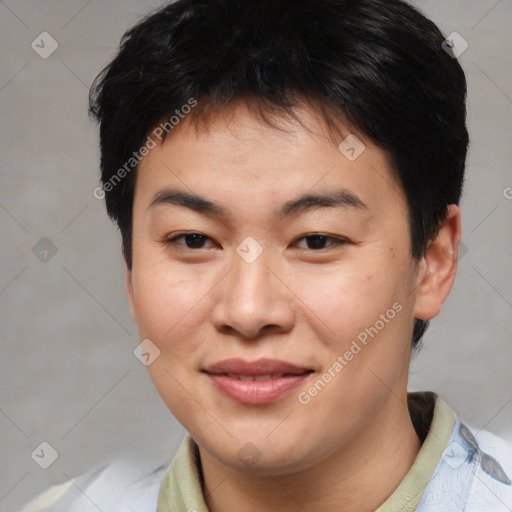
x=123 y=485
x=491 y=455
x=474 y=473
x=47 y=498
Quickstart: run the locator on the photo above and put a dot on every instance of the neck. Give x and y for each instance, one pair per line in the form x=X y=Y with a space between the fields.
x=377 y=459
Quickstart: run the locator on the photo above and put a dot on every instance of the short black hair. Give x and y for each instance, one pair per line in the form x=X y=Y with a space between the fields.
x=378 y=65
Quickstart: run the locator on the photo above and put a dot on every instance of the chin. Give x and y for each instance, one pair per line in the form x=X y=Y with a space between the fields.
x=258 y=455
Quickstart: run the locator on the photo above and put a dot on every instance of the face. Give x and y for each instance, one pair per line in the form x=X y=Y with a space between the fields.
x=252 y=272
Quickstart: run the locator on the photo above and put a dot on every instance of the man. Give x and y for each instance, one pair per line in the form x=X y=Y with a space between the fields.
x=285 y=177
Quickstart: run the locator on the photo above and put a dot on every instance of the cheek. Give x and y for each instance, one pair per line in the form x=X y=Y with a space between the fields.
x=167 y=302
x=348 y=298
x=168 y=313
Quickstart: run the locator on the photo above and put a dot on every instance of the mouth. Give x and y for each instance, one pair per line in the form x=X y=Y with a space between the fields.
x=250 y=378
x=263 y=367
x=258 y=382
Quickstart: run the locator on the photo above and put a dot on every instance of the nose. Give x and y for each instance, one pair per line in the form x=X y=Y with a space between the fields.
x=253 y=300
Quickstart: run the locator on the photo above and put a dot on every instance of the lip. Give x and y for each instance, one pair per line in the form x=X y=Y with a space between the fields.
x=287 y=377
x=262 y=366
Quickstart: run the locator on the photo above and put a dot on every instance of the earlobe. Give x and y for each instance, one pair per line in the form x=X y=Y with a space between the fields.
x=437 y=269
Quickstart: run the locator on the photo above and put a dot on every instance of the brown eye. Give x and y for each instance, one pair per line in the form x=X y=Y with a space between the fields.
x=192 y=240
x=317 y=242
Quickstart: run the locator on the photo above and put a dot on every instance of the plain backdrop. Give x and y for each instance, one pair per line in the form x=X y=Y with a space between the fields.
x=69 y=376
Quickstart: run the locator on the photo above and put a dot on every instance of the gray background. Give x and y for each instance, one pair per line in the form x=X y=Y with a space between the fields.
x=69 y=376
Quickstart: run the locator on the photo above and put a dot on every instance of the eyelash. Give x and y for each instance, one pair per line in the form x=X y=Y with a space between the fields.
x=335 y=240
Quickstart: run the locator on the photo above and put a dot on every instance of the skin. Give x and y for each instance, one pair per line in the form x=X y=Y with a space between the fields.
x=295 y=302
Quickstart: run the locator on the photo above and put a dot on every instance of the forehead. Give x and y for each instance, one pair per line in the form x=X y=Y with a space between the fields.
x=236 y=156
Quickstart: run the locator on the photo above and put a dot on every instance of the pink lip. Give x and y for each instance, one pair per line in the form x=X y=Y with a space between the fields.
x=288 y=377
x=257 y=391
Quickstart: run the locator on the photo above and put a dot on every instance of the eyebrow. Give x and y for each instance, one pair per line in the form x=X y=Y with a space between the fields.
x=340 y=198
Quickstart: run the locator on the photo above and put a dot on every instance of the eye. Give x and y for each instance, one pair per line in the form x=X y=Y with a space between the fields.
x=192 y=240
x=317 y=241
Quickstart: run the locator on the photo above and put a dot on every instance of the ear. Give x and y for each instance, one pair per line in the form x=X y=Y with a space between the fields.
x=437 y=269
x=129 y=291
x=128 y=282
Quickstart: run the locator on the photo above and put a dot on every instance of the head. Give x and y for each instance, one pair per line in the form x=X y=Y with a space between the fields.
x=315 y=154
